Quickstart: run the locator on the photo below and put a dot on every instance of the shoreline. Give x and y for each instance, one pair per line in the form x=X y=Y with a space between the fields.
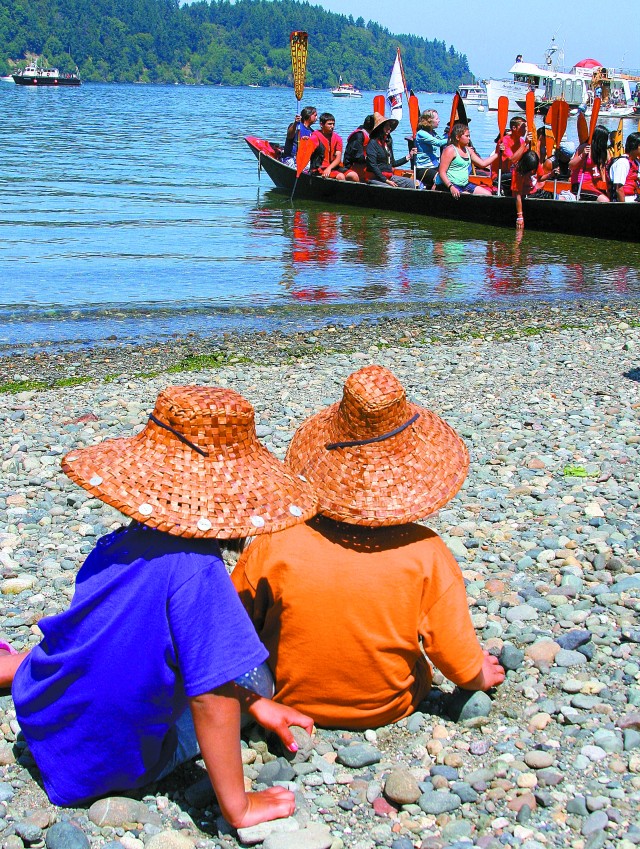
x=546 y=530
x=46 y=364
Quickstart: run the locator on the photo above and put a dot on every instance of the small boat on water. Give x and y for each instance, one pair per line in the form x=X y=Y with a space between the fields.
x=581 y=218
x=8 y=79
x=473 y=95
x=35 y=75
x=345 y=90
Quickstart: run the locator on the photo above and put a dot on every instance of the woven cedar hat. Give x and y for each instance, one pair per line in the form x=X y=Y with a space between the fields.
x=378 y=122
x=376 y=459
x=196 y=470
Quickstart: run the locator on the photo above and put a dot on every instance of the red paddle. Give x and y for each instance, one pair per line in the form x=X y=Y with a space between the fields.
x=306 y=146
x=503 y=117
x=587 y=135
x=454 y=112
x=559 y=125
x=379 y=102
x=414 y=114
x=530 y=107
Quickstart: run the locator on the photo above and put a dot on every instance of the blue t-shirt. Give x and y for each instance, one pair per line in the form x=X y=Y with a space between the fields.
x=154 y=620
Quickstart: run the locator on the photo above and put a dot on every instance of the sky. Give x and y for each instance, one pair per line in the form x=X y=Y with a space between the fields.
x=492 y=35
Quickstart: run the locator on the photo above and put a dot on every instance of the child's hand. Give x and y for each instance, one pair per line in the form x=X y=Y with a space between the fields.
x=492 y=673
x=270 y=804
x=277 y=718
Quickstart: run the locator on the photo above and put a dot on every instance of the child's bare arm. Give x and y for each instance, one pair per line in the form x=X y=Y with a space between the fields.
x=217 y=722
x=9 y=664
x=491 y=674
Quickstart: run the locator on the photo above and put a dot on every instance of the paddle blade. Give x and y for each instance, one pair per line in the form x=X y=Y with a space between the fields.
x=559 y=120
x=298 y=42
x=618 y=149
x=531 y=111
x=583 y=130
x=306 y=146
x=503 y=114
x=414 y=113
x=379 y=102
x=548 y=118
x=595 y=111
x=457 y=100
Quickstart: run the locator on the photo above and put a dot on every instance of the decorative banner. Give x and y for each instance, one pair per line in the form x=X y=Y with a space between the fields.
x=299 y=48
x=395 y=89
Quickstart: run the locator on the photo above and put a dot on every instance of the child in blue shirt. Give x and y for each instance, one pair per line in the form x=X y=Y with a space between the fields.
x=141 y=673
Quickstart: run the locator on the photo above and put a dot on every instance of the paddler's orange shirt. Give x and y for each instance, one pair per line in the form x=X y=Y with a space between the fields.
x=341 y=610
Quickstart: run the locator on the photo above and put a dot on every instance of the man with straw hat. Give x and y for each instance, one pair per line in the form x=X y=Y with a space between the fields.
x=137 y=676
x=343 y=602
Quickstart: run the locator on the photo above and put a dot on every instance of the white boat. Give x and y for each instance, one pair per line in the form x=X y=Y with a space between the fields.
x=472 y=95
x=526 y=76
x=345 y=90
x=589 y=79
x=6 y=79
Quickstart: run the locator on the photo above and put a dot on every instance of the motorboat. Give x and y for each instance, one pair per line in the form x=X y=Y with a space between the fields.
x=36 y=75
x=526 y=76
x=345 y=90
x=473 y=95
x=8 y=79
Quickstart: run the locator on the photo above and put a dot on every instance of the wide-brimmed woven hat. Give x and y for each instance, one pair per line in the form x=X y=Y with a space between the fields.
x=376 y=459
x=379 y=121
x=195 y=470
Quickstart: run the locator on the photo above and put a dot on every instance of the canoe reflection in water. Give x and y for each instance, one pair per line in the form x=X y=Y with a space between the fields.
x=330 y=255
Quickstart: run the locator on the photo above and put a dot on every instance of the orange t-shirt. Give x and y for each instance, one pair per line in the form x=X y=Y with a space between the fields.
x=341 y=610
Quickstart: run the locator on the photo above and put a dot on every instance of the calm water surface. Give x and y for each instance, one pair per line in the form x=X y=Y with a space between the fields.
x=137 y=211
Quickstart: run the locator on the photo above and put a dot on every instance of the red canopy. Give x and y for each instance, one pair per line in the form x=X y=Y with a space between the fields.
x=589 y=63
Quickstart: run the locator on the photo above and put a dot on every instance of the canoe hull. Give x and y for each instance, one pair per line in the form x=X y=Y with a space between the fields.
x=582 y=218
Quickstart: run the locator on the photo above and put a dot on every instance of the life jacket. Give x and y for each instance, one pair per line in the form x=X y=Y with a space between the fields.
x=630 y=186
x=325 y=152
x=349 y=153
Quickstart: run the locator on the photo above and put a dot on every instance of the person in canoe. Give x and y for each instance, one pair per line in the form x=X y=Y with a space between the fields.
x=510 y=148
x=589 y=167
x=524 y=182
x=355 y=152
x=326 y=160
x=301 y=127
x=455 y=164
x=624 y=173
x=380 y=158
x=348 y=605
x=138 y=675
x=429 y=145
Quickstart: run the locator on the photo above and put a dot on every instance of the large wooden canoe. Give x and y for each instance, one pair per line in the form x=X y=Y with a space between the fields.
x=582 y=218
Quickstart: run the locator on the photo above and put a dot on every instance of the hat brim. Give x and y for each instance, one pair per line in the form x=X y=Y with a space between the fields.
x=393 y=123
x=172 y=488
x=400 y=479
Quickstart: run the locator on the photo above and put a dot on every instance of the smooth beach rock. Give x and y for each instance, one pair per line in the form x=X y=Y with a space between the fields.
x=64 y=835
x=401 y=787
x=358 y=756
x=14 y=586
x=439 y=802
x=117 y=811
x=312 y=836
x=465 y=704
x=538 y=759
x=170 y=840
x=258 y=833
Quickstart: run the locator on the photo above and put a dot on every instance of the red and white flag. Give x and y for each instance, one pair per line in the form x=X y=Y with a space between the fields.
x=395 y=89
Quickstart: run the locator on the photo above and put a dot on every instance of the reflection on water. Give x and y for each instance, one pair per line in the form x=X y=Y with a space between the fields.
x=347 y=254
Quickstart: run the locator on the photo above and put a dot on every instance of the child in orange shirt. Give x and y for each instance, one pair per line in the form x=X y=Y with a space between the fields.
x=348 y=604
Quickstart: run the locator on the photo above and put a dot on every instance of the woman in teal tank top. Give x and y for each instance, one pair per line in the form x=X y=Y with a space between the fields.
x=455 y=165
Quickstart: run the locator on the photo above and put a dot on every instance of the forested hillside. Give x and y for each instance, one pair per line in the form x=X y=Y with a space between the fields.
x=217 y=42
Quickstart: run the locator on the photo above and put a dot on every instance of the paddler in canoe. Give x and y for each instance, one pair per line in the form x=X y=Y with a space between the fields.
x=456 y=162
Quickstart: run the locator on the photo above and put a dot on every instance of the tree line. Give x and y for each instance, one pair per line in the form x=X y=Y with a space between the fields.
x=241 y=43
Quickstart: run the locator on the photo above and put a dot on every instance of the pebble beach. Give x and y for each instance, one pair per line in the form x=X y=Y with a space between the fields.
x=546 y=530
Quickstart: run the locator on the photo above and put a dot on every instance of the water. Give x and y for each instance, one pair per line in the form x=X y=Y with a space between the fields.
x=136 y=211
